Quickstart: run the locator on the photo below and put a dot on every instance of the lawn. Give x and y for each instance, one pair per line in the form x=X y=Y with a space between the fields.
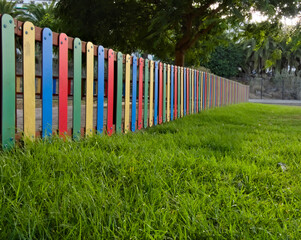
x=213 y=175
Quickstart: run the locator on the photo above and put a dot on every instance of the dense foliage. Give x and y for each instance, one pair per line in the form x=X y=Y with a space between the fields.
x=226 y=61
x=167 y=28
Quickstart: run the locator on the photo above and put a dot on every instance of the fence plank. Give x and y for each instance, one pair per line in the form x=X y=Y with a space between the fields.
x=63 y=84
x=176 y=92
x=172 y=92
x=160 y=92
x=110 y=104
x=127 y=93
x=179 y=92
x=197 y=91
x=29 y=79
x=192 y=90
x=204 y=93
x=146 y=81
x=140 y=94
x=201 y=79
x=47 y=82
x=134 y=94
x=100 y=90
x=184 y=90
x=187 y=91
x=119 y=92
x=156 y=94
x=164 y=93
x=151 y=94
x=89 y=88
x=77 y=87
x=210 y=91
x=8 y=68
x=168 y=93
x=215 y=92
x=221 y=91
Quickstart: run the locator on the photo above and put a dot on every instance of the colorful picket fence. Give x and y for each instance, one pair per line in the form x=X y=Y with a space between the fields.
x=106 y=91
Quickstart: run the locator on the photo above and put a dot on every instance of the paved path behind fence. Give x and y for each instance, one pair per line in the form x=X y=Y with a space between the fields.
x=276 y=102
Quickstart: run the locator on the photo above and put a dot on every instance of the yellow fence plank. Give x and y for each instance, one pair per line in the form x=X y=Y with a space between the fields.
x=29 y=79
x=89 y=88
x=127 y=93
x=151 y=94
x=168 y=93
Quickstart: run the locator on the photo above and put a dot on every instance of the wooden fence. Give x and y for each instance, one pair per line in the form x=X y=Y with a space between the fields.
x=84 y=89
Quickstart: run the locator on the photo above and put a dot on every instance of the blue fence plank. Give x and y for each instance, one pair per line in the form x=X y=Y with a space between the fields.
x=47 y=82
x=101 y=85
x=171 y=91
x=134 y=94
x=156 y=94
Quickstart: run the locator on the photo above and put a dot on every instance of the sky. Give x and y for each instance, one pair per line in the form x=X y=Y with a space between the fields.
x=257 y=17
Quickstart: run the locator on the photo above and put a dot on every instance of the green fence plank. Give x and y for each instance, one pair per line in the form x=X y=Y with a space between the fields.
x=146 y=80
x=119 y=92
x=77 y=78
x=8 y=104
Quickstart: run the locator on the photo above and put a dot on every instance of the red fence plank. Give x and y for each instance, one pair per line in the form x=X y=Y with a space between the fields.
x=63 y=84
x=140 y=94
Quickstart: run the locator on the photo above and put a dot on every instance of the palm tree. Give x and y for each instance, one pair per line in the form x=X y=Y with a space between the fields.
x=42 y=15
x=9 y=8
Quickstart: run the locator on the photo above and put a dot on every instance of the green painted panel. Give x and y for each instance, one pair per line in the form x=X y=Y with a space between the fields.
x=119 y=92
x=8 y=104
x=146 y=80
x=164 y=93
x=77 y=78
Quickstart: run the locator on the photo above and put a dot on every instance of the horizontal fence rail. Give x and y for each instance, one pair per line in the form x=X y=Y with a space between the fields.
x=55 y=84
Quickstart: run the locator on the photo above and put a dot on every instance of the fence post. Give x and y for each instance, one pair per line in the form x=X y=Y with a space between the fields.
x=151 y=94
x=127 y=93
x=134 y=94
x=77 y=87
x=164 y=93
x=89 y=87
x=146 y=80
x=29 y=79
x=110 y=104
x=8 y=94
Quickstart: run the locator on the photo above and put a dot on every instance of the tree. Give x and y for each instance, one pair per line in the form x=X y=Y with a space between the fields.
x=225 y=61
x=166 y=28
x=42 y=15
x=9 y=8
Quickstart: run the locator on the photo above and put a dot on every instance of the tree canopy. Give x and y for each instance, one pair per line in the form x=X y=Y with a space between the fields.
x=167 y=28
x=42 y=15
x=9 y=7
x=225 y=61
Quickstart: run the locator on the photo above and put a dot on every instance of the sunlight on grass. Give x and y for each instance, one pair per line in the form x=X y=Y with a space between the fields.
x=210 y=175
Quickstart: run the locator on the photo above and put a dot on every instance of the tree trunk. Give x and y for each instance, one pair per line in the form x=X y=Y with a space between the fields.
x=180 y=57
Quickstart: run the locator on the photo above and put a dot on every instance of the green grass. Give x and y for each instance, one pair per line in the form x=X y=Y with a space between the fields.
x=212 y=175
